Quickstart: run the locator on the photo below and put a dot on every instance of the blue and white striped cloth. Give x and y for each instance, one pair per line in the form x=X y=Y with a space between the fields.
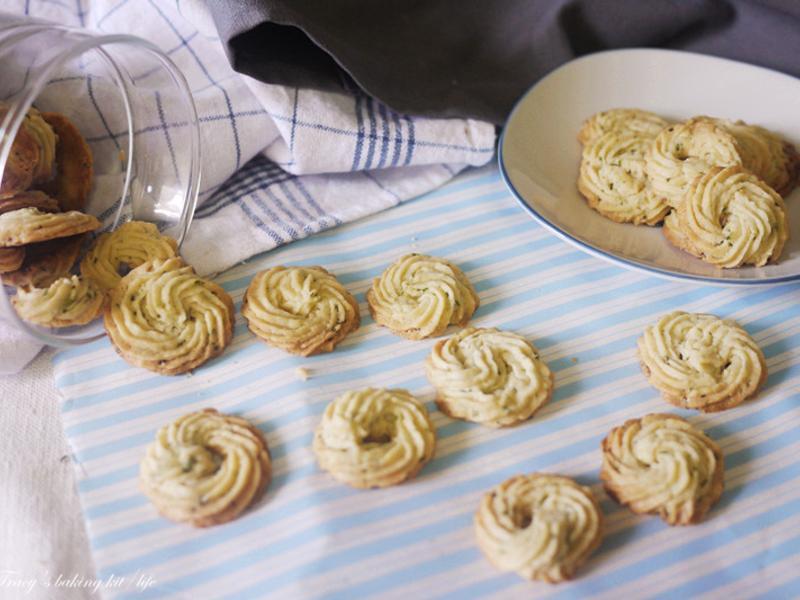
x=311 y=537
x=279 y=163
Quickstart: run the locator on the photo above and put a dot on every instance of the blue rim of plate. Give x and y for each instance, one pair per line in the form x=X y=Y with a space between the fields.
x=599 y=252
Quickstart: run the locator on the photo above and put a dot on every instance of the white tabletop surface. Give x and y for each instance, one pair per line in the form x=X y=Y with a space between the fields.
x=43 y=542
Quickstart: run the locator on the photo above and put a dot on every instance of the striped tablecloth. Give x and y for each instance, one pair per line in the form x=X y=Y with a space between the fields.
x=312 y=537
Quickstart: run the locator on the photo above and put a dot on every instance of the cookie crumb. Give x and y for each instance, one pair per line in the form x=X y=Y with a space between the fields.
x=302 y=373
x=574 y=359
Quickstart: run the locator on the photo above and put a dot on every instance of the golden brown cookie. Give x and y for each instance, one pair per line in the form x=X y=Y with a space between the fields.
x=67 y=302
x=11 y=259
x=419 y=296
x=701 y=361
x=640 y=123
x=73 y=180
x=45 y=262
x=205 y=468
x=543 y=527
x=374 y=438
x=488 y=376
x=302 y=310
x=730 y=218
x=46 y=138
x=130 y=245
x=163 y=317
x=28 y=199
x=30 y=225
x=661 y=464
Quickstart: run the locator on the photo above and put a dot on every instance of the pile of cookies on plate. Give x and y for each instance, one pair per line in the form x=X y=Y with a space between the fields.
x=207 y=467
x=716 y=185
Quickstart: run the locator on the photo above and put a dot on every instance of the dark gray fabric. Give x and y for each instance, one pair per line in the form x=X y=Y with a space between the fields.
x=474 y=58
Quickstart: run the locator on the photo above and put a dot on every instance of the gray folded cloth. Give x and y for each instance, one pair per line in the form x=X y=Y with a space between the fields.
x=474 y=58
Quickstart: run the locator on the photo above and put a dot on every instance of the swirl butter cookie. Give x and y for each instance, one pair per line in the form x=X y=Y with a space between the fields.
x=488 y=376
x=541 y=526
x=302 y=310
x=74 y=170
x=45 y=262
x=681 y=153
x=730 y=218
x=46 y=139
x=22 y=161
x=661 y=464
x=701 y=361
x=66 y=302
x=163 y=317
x=622 y=121
x=613 y=179
x=28 y=199
x=30 y=225
x=419 y=296
x=130 y=245
x=205 y=468
x=374 y=438
x=765 y=154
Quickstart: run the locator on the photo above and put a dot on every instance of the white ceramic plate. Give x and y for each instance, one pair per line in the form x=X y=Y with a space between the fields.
x=539 y=154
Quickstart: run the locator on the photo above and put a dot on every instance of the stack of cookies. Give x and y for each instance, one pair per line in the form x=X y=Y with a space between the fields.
x=716 y=185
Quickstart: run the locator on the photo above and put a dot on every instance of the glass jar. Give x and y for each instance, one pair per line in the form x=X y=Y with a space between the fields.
x=136 y=112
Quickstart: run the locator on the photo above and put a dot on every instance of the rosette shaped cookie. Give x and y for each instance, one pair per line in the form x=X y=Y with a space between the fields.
x=541 y=526
x=419 y=296
x=488 y=376
x=66 y=302
x=765 y=154
x=163 y=317
x=45 y=262
x=700 y=361
x=74 y=170
x=730 y=218
x=613 y=179
x=662 y=464
x=22 y=162
x=30 y=225
x=302 y=310
x=681 y=153
x=205 y=468
x=374 y=438
x=622 y=121
x=11 y=259
x=29 y=199
x=46 y=139
x=130 y=245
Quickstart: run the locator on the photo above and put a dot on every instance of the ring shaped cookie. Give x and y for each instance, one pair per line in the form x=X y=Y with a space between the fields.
x=731 y=218
x=46 y=138
x=623 y=121
x=700 y=361
x=30 y=225
x=681 y=153
x=661 y=464
x=765 y=154
x=302 y=310
x=374 y=438
x=613 y=179
x=488 y=376
x=22 y=162
x=130 y=245
x=66 y=302
x=46 y=262
x=205 y=468
x=163 y=317
x=29 y=199
x=541 y=526
x=419 y=296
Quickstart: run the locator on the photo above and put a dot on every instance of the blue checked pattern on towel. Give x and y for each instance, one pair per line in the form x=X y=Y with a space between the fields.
x=278 y=163
x=311 y=537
